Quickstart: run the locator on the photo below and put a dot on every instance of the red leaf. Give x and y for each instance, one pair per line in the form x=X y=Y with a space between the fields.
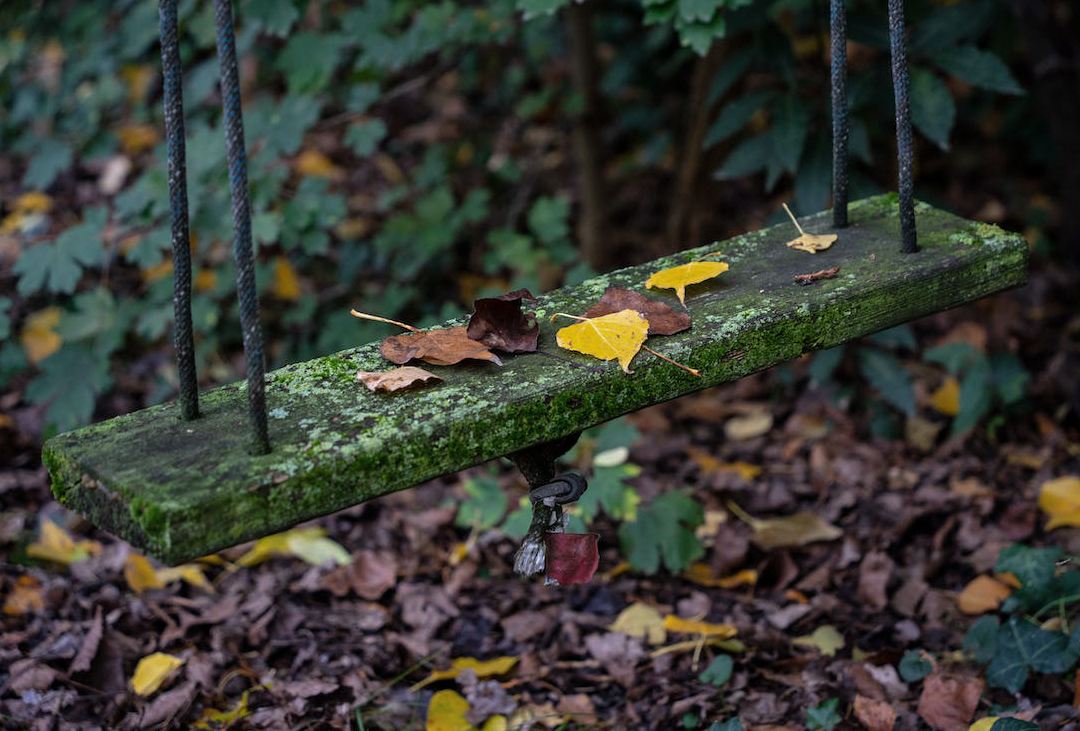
x=499 y=323
x=662 y=319
x=572 y=558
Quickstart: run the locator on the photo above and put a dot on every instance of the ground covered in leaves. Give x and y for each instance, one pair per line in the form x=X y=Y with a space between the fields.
x=267 y=639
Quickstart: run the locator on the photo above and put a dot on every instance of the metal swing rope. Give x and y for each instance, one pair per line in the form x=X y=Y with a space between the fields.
x=901 y=94
x=241 y=208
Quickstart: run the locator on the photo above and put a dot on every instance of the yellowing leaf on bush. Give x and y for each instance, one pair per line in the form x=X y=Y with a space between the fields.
x=25 y=597
x=152 y=671
x=446 y=712
x=812 y=243
x=1060 y=500
x=54 y=544
x=286 y=284
x=787 y=531
x=309 y=544
x=825 y=638
x=135 y=138
x=482 y=668
x=701 y=574
x=982 y=594
x=317 y=165
x=615 y=336
x=681 y=277
x=641 y=620
x=39 y=337
x=213 y=718
x=946 y=399
x=692 y=626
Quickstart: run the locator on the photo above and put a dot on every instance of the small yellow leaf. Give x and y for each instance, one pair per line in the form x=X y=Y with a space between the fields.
x=205 y=280
x=701 y=574
x=286 y=284
x=748 y=426
x=812 y=243
x=27 y=212
x=946 y=399
x=825 y=638
x=1060 y=500
x=681 y=277
x=213 y=718
x=25 y=597
x=317 y=165
x=446 y=712
x=309 y=544
x=982 y=594
x=482 y=668
x=135 y=138
x=32 y=202
x=615 y=336
x=641 y=620
x=140 y=575
x=39 y=337
x=54 y=544
x=189 y=572
x=152 y=671
x=495 y=723
x=983 y=724
x=707 y=629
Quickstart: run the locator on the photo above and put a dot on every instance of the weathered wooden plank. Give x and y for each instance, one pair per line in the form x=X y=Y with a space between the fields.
x=183 y=489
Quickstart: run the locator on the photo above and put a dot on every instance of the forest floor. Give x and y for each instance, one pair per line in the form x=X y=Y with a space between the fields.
x=285 y=644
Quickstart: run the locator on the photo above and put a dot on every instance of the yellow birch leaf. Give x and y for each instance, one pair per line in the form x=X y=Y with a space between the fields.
x=54 y=544
x=812 y=243
x=641 y=620
x=615 y=336
x=982 y=594
x=314 y=164
x=286 y=284
x=692 y=626
x=39 y=337
x=946 y=399
x=825 y=638
x=446 y=712
x=1060 y=500
x=140 y=575
x=680 y=277
x=482 y=668
x=221 y=719
x=152 y=671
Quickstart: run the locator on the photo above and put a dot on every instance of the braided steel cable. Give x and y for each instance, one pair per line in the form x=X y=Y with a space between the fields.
x=172 y=91
x=241 y=208
x=904 y=144
x=838 y=40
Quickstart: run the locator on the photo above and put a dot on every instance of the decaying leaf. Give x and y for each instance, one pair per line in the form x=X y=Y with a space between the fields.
x=213 y=718
x=982 y=594
x=446 y=712
x=309 y=544
x=437 y=347
x=1060 y=500
x=397 y=379
x=946 y=399
x=500 y=324
x=54 y=544
x=140 y=575
x=482 y=668
x=826 y=638
x=25 y=597
x=572 y=558
x=702 y=574
x=812 y=243
x=641 y=620
x=662 y=319
x=947 y=703
x=152 y=671
x=790 y=530
x=748 y=426
x=873 y=714
x=706 y=629
x=812 y=277
x=681 y=277
x=615 y=336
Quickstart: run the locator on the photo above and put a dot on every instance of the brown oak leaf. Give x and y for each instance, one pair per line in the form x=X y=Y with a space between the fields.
x=396 y=380
x=662 y=319
x=437 y=347
x=499 y=323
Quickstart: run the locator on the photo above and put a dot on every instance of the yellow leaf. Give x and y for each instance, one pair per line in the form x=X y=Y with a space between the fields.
x=135 y=138
x=205 y=280
x=309 y=544
x=25 y=597
x=286 y=283
x=140 y=575
x=158 y=271
x=482 y=668
x=27 y=212
x=983 y=724
x=825 y=638
x=32 y=202
x=681 y=277
x=317 y=165
x=1060 y=500
x=946 y=399
x=641 y=620
x=39 y=337
x=54 y=544
x=189 y=572
x=982 y=594
x=152 y=671
x=618 y=335
x=221 y=719
x=446 y=712
x=707 y=629
x=701 y=574
x=789 y=530
x=495 y=723
x=812 y=243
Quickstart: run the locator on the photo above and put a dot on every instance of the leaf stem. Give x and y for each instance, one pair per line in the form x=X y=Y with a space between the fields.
x=661 y=356
x=376 y=318
x=793 y=219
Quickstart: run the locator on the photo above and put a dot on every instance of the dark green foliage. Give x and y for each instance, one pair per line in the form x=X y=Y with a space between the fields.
x=485 y=505
x=719 y=671
x=663 y=533
x=823 y=715
x=997 y=381
x=914 y=666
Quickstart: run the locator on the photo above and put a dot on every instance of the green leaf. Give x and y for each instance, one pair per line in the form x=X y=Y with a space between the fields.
x=547 y=220
x=750 y=156
x=954 y=357
x=663 y=533
x=1014 y=724
x=823 y=716
x=608 y=489
x=824 y=363
x=276 y=17
x=309 y=61
x=70 y=400
x=947 y=25
x=699 y=35
x=732 y=724
x=5 y=318
x=933 y=110
x=697 y=10
x=979 y=68
x=364 y=137
x=895 y=337
x=1010 y=377
x=1022 y=646
x=149 y=249
x=976 y=396
x=914 y=665
x=56 y=266
x=1035 y=569
x=52 y=158
x=518 y=520
x=734 y=115
x=278 y=126
x=484 y=507
x=791 y=121
x=533 y=8
x=885 y=373
x=719 y=671
x=97 y=318
x=981 y=638
x=728 y=74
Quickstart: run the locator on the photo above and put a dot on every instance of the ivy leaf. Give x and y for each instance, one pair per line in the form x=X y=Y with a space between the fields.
x=608 y=489
x=663 y=534
x=56 y=266
x=981 y=638
x=979 y=68
x=823 y=716
x=914 y=665
x=719 y=671
x=1022 y=646
x=1034 y=568
x=933 y=110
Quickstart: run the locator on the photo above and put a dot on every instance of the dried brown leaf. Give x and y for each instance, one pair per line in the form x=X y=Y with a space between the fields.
x=662 y=319
x=814 y=276
x=500 y=324
x=875 y=715
x=947 y=703
x=368 y=576
x=396 y=380
x=437 y=347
